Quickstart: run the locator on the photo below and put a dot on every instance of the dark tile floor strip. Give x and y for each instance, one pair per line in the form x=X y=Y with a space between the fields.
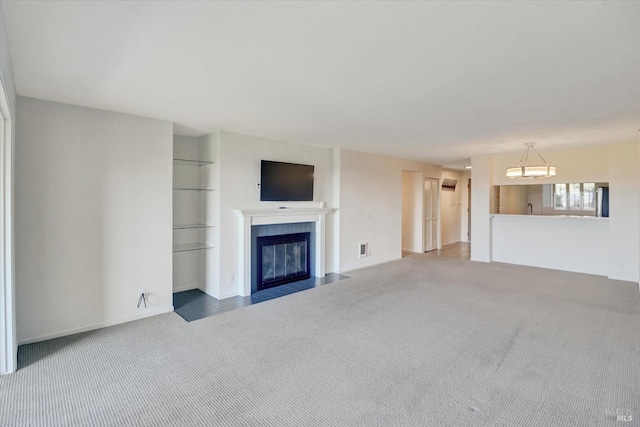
x=195 y=304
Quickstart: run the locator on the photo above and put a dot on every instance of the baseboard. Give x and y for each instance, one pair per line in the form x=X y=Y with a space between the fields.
x=147 y=313
x=225 y=296
x=184 y=288
x=371 y=265
x=621 y=279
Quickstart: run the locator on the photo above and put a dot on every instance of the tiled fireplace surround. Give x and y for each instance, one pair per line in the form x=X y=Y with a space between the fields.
x=268 y=222
x=280 y=231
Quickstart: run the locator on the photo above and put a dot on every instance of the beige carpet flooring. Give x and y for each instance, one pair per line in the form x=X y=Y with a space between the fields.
x=424 y=341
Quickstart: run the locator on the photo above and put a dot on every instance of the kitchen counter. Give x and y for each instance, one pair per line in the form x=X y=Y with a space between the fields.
x=570 y=243
x=598 y=218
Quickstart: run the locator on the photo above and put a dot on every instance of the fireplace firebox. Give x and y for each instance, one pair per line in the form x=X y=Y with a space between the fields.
x=282 y=259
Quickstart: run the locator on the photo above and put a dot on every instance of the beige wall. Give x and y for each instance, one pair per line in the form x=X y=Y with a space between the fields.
x=371 y=206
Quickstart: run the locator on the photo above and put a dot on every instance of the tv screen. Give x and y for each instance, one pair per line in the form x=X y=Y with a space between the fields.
x=285 y=182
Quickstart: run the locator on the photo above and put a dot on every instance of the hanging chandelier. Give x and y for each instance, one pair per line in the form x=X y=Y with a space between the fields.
x=523 y=170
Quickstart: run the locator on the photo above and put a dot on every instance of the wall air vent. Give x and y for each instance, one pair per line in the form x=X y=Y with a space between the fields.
x=363 y=250
x=449 y=184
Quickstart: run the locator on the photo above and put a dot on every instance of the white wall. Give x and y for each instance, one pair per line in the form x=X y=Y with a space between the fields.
x=481 y=202
x=451 y=208
x=210 y=146
x=371 y=206
x=93 y=218
x=239 y=166
x=412 y=212
x=335 y=250
x=464 y=206
x=624 y=211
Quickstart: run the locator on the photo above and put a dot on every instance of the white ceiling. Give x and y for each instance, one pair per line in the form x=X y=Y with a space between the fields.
x=432 y=81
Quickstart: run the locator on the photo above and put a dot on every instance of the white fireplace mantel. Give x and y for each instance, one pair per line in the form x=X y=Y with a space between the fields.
x=251 y=217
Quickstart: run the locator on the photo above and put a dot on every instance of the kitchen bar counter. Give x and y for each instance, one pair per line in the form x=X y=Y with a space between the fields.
x=570 y=243
x=599 y=218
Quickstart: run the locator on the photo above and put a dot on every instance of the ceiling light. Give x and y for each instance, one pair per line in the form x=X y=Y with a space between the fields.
x=536 y=171
x=467 y=167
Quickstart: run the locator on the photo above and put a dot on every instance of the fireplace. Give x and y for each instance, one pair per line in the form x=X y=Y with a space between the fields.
x=252 y=219
x=282 y=259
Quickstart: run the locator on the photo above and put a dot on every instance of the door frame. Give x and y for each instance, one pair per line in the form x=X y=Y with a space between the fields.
x=424 y=213
x=469 y=210
x=412 y=211
x=8 y=337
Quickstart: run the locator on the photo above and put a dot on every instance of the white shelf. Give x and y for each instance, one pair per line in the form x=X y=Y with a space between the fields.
x=190 y=226
x=187 y=247
x=188 y=162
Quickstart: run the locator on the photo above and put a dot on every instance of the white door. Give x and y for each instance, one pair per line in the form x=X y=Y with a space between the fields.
x=431 y=213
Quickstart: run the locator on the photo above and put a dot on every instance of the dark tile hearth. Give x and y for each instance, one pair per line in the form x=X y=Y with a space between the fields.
x=194 y=304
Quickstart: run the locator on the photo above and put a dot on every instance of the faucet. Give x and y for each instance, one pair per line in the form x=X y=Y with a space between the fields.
x=530 y=208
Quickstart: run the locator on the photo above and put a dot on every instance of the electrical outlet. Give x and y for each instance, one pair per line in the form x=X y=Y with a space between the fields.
x=231 y=277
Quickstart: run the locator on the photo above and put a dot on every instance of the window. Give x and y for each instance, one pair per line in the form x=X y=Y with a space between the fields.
x=561 y=196
x=589 y=196
x=575 y=196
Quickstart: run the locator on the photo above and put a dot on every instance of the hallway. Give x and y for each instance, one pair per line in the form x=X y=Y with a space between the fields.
x=459 y=250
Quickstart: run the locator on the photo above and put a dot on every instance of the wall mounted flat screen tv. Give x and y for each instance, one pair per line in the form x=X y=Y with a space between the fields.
x=286 y=182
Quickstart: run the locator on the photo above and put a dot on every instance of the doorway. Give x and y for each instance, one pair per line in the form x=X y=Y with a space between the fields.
x=431 y=211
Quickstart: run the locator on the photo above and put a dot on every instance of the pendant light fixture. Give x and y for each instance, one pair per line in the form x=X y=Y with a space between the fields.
x=523 y=170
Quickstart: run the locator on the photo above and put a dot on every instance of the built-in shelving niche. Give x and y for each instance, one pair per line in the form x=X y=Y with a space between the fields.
x=193 y=228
